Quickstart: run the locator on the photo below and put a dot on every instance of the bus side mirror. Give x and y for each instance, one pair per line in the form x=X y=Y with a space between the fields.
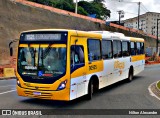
x=11 y=51
x=10 y=47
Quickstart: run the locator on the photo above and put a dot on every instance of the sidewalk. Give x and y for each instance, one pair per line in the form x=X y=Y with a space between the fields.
x=154 y=91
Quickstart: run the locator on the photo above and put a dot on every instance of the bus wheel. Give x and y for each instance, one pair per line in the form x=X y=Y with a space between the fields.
x=90 y=90
x=130 y=75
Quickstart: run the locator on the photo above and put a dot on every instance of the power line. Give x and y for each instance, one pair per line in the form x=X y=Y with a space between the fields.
x=141 y=8
x=113 y=10
x=130 y=13
x=145 y=8
x=122 y=1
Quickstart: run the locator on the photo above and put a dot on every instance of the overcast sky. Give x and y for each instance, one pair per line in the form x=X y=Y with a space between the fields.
x=130 y=7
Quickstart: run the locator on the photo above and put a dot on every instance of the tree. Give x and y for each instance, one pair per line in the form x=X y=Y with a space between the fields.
x=82 y=11
x=102 y=11
x=95 y=7
x=84 y=7
x=46 y=2
x=87 y=7
x=65 y=5
x=98 y=1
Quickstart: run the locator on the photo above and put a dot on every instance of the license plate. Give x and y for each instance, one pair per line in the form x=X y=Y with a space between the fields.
x=36 y=93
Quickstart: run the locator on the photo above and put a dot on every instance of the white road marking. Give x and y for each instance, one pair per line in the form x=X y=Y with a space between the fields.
x=7 y=85
x=151 y=93
x=7 y=92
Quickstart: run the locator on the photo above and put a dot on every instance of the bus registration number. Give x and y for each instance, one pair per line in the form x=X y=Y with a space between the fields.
x=36 y=93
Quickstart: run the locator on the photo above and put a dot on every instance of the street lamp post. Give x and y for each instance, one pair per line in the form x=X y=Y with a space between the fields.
x=76 y=6
x=121 y=15
x=119 y=12
x=157 y=37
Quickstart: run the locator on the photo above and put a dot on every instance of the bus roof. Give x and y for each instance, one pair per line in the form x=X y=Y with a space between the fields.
x=112 y=35
x=41 y=30
x=134 y=39
x=117 y=36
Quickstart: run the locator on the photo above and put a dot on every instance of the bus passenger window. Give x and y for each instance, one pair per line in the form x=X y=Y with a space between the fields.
x=142 y=48
x=125 y=48
x=94 y=50
x=138 y=48
x=77 y=54
x=107 y=49
x=117 y=52
x=133 y=51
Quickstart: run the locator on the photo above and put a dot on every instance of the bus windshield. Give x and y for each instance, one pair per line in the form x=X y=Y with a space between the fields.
x=42 y=61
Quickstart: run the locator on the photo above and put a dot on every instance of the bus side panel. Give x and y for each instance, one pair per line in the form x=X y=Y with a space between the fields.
x=80 y=81
x=138 y=63
x=107 y=74
x=114 y=70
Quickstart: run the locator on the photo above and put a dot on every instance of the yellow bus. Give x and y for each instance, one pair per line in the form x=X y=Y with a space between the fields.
x=58 y=64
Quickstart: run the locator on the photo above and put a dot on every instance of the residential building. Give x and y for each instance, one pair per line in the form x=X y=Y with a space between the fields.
x=147 y=23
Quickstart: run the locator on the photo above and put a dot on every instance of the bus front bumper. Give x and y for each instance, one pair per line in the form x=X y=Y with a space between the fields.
x=44 y=94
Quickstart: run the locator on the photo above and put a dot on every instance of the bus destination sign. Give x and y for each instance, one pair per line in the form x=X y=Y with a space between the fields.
x=43 y=37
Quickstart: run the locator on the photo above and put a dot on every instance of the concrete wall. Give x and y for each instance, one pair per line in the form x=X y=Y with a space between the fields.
x=16 y=17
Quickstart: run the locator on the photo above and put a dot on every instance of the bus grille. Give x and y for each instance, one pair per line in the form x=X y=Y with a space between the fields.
x=43 y=95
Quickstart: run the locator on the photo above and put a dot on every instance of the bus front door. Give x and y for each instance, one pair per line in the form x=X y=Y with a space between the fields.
x=78 y=68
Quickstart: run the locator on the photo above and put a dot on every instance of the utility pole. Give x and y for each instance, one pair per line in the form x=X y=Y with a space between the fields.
x=76 y=6
x=139 y=4
x=119 y=12
x=157 y=37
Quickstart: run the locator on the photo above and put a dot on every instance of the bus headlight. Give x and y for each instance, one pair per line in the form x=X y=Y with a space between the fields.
x=18 y=83
x=62 y=85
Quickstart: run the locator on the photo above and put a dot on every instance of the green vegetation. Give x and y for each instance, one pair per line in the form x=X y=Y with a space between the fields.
x=95 y=7
x=158 y=84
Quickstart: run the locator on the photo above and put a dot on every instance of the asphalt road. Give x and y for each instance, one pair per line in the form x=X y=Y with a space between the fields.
x=122 y=95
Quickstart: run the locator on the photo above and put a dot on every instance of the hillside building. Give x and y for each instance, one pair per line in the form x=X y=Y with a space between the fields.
x=147 y=23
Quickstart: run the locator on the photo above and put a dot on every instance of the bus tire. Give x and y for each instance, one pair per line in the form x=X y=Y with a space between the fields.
x=130 y=74
x=90 y=90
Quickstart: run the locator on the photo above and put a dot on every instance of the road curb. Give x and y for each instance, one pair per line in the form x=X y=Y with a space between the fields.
x=151 y=64
x=157 y=86
x=153 y=90
x=7 y=78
